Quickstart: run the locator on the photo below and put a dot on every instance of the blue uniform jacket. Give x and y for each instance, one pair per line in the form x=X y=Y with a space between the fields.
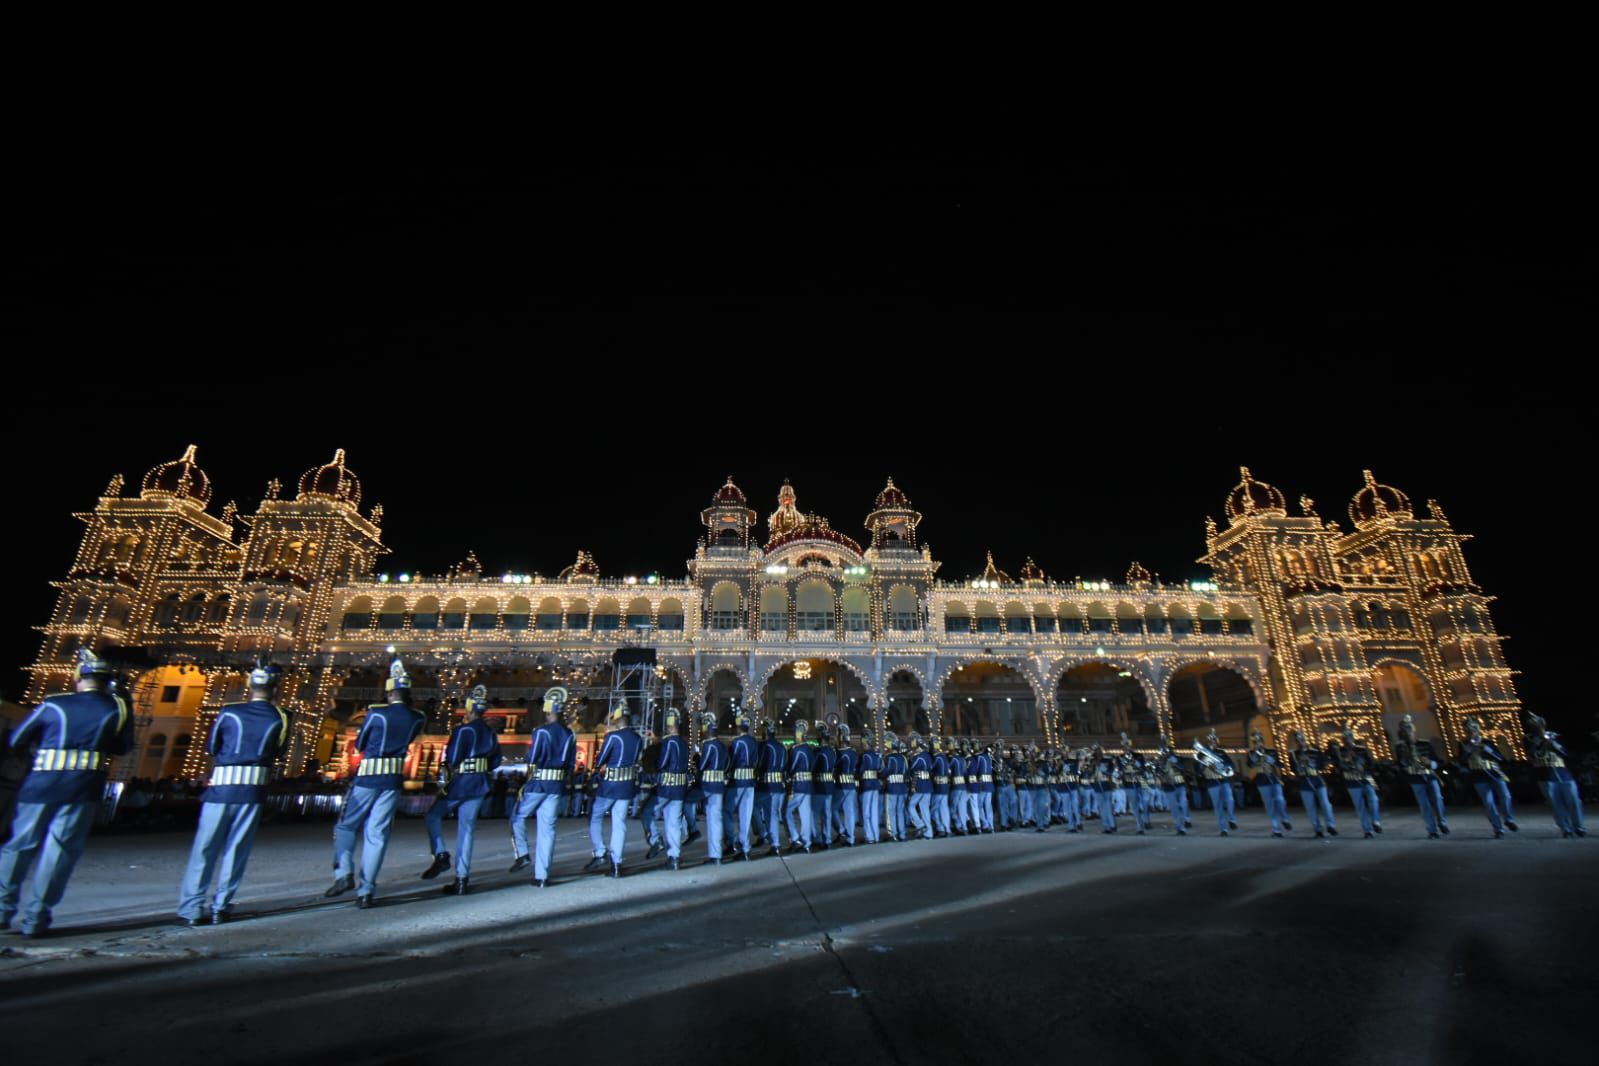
x=73 y=722
x=470 y=740
x=713 y=767
x=619 y=758
x=673 y=772
x=894 y=766
x=848 y=760
x=244 y=734
x=982 y=766
x=744 y=756
x=871 y=763
x=769 y=773
x=940 y=774
x=957 y=773
x=549 y=759
x=801 y=760
x=921 y=773
x=826 y=765
x=386 y=734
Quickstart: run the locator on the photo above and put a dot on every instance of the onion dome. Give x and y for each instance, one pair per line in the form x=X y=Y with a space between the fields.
x=788 y=516
x=1254 y=497
x=890 y=497
x=331 y=481
x=584 y=570
x=1031 y=574
x=1376 y=502
x=729 y=494
x=993 y=575
x=1138 y=577
x=180 y=479
x=812 y=529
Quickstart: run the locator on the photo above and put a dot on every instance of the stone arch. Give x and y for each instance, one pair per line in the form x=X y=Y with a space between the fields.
x=1194 y=715
x=921 y=715
x=748 y=694
x=1402 y=689
x=1005 y=722
x=1111 y=696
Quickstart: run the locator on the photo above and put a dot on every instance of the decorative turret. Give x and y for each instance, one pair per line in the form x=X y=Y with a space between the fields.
x=1138 y=577
x=1032 y=576
x=180 y=479
x=788 y=523
x=468 y=569
x=892 y=522
x=992 y=576
x=583 y=572
x=788 y=516
x=331 y=481
x=1375 y=502
x=729 y=518
x=1251 y=497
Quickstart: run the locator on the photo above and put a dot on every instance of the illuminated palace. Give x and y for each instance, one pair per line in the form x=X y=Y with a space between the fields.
x=1306 y=624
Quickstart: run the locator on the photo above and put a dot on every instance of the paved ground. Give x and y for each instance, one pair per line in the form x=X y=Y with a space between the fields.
x=1013 y=948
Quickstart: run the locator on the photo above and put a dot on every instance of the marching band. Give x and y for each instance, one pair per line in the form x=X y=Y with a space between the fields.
x=750 y=788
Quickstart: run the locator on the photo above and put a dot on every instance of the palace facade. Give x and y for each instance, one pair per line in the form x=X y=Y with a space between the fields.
x=1306 y=625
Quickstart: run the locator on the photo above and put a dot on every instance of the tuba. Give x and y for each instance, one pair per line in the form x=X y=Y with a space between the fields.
x=1211 y=760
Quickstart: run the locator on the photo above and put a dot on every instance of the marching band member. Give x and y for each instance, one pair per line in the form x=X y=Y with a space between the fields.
x=769 y=787
x=801 y=763
x=1129 y=768
x=824 y=784
x=848 y=796
x=1105 y=785
x=921 y=801
x=1355 y=763
x=672 y=787
x=1174 y=783
x=895 y=772
x=245 y=740
x=1038 y=784
x=1559 y=787
x=616 y=771
x=1484 y=763
x=470 y=756
x=713 y=780
x=742 y=760
x=871 y=789
x=1218 y=772
x=550 y=758
x=1419 y=763
x=941 y=826
x=383 y=742
x=75 y=734
x=1308 y=765
x=957 y=790
x=1269 y=780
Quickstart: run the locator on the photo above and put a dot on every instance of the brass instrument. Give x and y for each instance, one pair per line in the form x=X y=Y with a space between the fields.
x=1211 y=761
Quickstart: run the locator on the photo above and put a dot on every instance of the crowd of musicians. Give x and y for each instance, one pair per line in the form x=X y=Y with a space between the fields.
x=825 y=789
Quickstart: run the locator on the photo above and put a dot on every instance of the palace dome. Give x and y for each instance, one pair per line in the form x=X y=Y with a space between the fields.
x=729 y=494
x=1254 y=497
x=1376 y=501
x=179 y=479
x=890 y=497
x=331 y=481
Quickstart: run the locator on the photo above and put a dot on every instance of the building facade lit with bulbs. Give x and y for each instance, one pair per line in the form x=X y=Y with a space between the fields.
x=1306 y=624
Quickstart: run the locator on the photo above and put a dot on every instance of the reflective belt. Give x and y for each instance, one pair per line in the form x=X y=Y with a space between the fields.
x=846 y=779
x=986 y=778
x=714 y=777
x=67 y=759
x=868 y=775
x=239 y=775
x=619 y=773
x=673 y=780
x=745 y=774
x=958 y=782
x=922 y=775
x=802 y=776
x=774 y=778
x=472 y=766
x=896 y=779
x=371 y=767
x=941 y=781
x=549 y=775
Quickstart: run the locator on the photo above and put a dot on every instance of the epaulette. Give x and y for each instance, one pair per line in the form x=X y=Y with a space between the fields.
x=376 y=706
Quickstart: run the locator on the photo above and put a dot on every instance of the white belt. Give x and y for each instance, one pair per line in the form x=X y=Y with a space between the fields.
x=673 y=780
x=67 y=759
x=239 y=775
x=472 y=766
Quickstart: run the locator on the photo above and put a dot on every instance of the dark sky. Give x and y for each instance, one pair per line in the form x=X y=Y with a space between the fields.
x=1063 y=357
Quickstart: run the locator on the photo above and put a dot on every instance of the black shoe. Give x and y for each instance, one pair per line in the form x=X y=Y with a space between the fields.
x=775 y=850
x=524 y=861
x=692 y=837
x=459 y=888
x=541 y=882
x=673 y=864
x=1331 y=831
x=1287 y=824
x=340 y=886
x=364 y=902
x=1222 y=833
x=225 y=914
x=1582 y=832
x=1433 y=836
x=1497 y=833
x=1182 y=832
x=441 y=862
x=1276 y=834
x=1376 y=827
x=655 y=849
x=1231 y=824
x=190 y=923
x=743 y=856
x=1141 y=832
x=1319 y=835
x=1512 y=826
x=616 y=869
x=38 y=932
x=596 y=863
x=1370 y=835
x=1444 y=829
x=1188 y=825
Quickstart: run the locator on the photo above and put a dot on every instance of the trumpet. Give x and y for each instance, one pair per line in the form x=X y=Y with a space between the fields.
x=1211 y=761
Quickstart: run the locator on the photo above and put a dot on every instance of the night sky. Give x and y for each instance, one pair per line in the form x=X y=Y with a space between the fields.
x=1058 y=357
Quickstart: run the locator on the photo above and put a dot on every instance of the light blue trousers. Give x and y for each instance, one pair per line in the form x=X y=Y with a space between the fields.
x=1271 y=796
x=57 y=833
x=544 y=808
x=226 y=833
x=941 y=812
x=466 y=812
x=1177 y=801
x=713 y=825
x=921 y=807
x=799 y=819
x=897 y=803
x=1495 y=796
x=1318 y=805
x=872 y=814
x=671 y=812
x=371 y=809
x=617 y=809
x=1430 y=798
x=822 y=816
x=1364 y=797
x=1566 y=804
